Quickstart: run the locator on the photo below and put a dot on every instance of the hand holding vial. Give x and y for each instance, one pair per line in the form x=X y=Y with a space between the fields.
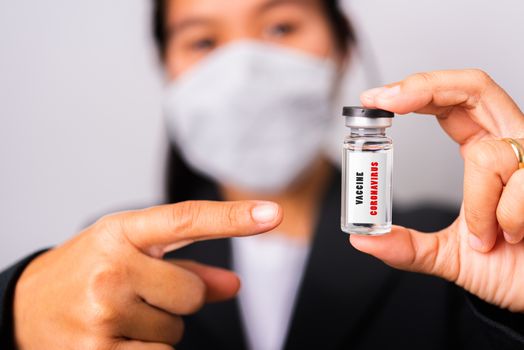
x=482 y=251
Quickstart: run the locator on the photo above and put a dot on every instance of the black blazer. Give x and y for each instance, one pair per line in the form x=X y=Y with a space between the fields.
x=347 y=300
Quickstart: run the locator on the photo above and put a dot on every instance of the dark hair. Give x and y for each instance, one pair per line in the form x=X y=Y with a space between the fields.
x=182 y=183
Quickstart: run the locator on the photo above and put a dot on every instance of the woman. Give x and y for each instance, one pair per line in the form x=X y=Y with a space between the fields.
x=250 y=84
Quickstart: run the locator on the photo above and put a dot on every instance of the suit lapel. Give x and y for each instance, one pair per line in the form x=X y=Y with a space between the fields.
x=340 y=286
x=217 y=325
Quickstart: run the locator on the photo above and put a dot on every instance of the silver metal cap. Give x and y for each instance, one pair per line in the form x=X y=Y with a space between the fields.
x=364 y=118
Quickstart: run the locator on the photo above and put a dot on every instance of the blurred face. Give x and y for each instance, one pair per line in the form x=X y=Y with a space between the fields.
x=197 y=27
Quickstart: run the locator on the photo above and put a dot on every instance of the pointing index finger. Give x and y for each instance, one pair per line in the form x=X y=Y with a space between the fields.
x=160 y=229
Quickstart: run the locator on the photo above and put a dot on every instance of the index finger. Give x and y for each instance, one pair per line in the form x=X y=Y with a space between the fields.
x=483 y=104
x=160 y=229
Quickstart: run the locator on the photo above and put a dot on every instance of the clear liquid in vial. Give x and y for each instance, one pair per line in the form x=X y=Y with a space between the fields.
x=367 y=167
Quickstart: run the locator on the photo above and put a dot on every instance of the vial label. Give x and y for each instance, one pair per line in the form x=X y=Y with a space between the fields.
x=366 y=190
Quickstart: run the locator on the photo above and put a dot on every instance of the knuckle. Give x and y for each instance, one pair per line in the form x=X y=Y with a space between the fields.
x=107 y=275
x=109 y=223
x=444 y=262
x=232 y=214
x=424 y=78
x=505 y=217
x=478 y=222
x=103 y=283
x=481 y=77
x=481 y=82
x=483 y=154
x=184 y=215
x=473 y=217
x=197 y=296
x=102 y=314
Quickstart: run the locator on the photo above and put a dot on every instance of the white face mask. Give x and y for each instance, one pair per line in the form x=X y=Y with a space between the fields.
x=252 y=115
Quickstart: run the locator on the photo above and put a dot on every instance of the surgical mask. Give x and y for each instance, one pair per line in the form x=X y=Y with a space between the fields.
x=252 y=115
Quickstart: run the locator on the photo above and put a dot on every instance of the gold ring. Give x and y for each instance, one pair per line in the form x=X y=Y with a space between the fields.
x=518 y=149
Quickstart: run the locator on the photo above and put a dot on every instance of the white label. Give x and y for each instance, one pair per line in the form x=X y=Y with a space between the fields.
x=366 y=190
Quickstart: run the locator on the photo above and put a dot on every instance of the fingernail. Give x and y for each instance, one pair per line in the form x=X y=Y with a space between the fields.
x=475 y=242
x=369 y=95
x=264 y=213
x=389 y=92
x=509 y=238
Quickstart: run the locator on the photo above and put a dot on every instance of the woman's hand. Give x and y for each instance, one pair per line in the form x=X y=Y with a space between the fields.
x=483 y=251
x=108 y=288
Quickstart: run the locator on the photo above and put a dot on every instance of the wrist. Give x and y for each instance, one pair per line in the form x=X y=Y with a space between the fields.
x=8 y=282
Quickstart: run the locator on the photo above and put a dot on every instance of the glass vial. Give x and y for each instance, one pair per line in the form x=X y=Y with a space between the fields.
x=367 y=169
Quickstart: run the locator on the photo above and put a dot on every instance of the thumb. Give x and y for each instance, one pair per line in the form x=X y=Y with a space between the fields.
x=411 y=250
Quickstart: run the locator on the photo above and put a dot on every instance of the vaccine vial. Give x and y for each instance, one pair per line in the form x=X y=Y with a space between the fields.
x=367 y=169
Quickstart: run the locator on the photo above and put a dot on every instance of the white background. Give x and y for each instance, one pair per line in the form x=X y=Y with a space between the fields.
x=81 y=131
